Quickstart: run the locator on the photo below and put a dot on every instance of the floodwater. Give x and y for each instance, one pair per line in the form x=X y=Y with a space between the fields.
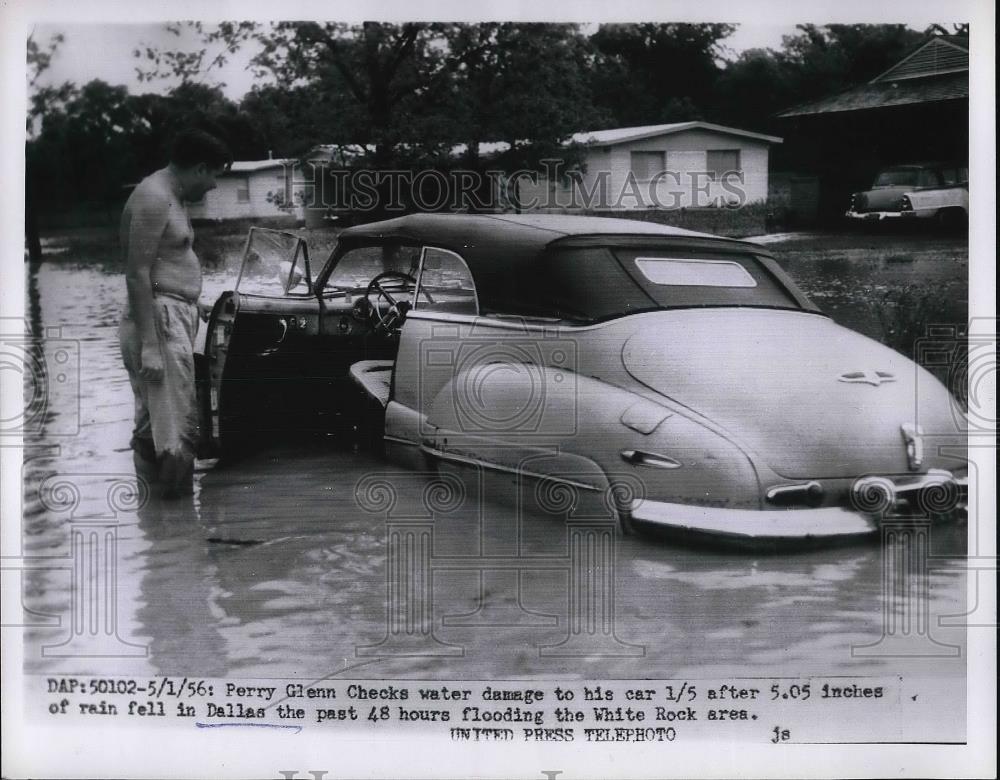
x=278 y=568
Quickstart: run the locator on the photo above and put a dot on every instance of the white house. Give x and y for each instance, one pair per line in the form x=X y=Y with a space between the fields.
x=252 y=189
x=685 y=164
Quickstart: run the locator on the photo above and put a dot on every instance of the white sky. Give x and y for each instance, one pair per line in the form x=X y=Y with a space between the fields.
x=104 y=51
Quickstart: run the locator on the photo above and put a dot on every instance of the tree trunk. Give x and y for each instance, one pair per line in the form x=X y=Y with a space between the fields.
x=31 y=218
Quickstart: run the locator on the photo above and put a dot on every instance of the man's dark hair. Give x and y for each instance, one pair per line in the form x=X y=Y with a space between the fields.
x=192 y=147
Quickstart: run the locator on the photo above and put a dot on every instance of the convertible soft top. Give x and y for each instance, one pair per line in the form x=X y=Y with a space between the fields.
x=502 y=250
x=477 y=230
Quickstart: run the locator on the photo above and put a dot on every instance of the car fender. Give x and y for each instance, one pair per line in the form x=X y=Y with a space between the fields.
x=581 y=423
x=939 y=198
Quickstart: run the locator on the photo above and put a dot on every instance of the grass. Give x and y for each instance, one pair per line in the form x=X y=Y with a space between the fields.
x=748 y=220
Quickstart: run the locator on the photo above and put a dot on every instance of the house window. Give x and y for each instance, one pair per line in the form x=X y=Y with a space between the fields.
x=645 y=165
x=722 y=161
x=243 y=191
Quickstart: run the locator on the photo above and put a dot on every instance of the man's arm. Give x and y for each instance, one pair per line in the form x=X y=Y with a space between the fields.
x=149 y=219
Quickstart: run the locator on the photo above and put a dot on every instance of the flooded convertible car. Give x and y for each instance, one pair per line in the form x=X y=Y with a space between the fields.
x=682 y=376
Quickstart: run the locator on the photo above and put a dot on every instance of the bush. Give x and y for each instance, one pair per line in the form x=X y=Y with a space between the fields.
x=748 y=220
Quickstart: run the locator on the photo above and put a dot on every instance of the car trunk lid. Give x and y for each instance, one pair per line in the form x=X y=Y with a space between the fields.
x=810 y=398
x=880 y=199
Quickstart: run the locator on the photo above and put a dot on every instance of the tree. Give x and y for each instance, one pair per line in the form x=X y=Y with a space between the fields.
x=42 y=100
x=824 y=60
x=753 y=88
x=525 y=84
x=289 y=121
x=217 y=44
x=376 y=75
x=407 y=93
x=653 y=73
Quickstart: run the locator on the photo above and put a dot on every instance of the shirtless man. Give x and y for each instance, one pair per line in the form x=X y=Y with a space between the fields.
x=163 y=278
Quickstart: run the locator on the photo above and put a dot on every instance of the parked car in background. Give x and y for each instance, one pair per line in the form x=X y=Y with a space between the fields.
x=920 y=191
x=680 y=379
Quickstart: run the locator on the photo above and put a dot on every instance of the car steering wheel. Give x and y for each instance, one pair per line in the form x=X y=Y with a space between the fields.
x=396 y=313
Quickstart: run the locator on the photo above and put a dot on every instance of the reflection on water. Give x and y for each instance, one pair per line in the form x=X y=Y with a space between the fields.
x=275 y=568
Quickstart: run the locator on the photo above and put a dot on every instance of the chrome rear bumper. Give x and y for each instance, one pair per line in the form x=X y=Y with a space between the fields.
x=782 y=528
x=880 y=216
x=750 y=527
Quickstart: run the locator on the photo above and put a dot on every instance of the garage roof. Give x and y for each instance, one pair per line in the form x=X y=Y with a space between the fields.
x=937 y=70
x=883 y=94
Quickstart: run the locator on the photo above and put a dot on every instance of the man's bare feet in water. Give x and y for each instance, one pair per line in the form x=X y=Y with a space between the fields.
x=170 y=476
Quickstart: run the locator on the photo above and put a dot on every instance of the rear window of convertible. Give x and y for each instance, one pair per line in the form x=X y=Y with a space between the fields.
x=598 y=283
x=689 y=272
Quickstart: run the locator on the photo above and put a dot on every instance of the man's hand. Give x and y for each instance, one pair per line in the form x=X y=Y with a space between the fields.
x=152 y=363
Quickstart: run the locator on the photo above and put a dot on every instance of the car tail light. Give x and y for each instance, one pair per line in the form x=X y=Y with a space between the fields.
x=904 y=204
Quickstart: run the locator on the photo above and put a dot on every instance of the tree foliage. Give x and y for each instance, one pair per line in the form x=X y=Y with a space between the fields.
x=654 y=73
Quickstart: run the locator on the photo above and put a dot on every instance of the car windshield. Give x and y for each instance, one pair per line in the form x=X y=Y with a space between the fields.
x=596 y=283
x=358 y=266
x=897 y=177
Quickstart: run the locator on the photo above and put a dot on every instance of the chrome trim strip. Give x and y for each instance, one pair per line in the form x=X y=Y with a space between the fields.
x=399 y=440
x=465 y=460
x=548 y=325
x=783 y=491
x=651 y=460
x=931 y=478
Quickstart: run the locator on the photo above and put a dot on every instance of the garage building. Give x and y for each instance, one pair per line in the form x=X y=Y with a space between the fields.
x=916 y=111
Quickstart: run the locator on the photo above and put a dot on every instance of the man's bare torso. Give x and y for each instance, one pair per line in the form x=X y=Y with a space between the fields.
x=176 y=269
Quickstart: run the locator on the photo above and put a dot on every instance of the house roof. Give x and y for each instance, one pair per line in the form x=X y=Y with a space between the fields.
x=883 y=94
x=251 y=166
x=622 y=135
x=618 y=135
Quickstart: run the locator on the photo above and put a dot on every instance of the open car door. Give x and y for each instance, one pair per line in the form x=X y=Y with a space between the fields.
x=259 y=371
